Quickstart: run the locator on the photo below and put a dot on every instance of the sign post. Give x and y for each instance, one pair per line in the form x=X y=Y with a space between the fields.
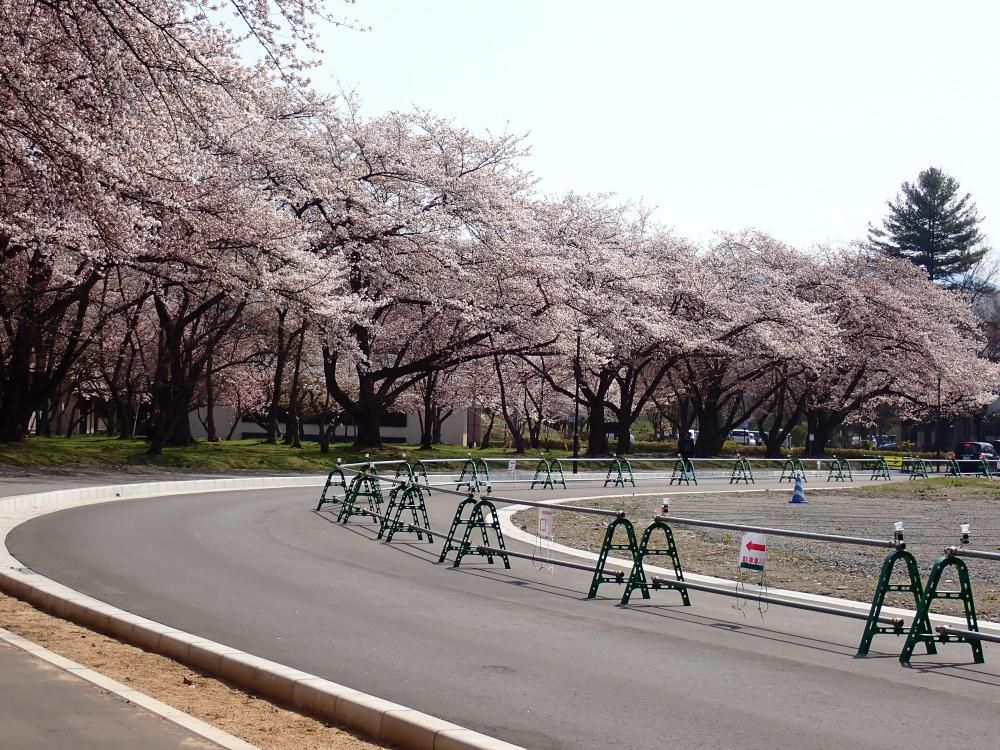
x=512 y=470
x=545 y=523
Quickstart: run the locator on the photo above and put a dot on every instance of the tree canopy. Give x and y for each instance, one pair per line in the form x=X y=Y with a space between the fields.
x=933 y=226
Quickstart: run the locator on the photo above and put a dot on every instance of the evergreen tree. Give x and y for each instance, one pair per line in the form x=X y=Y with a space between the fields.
x=930 y=225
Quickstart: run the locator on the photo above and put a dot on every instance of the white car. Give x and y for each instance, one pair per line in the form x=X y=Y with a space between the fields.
x=742 y=437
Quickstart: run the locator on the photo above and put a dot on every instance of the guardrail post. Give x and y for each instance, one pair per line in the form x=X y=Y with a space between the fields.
x=632 y=547
x=742 y=472
x=954 y=470
x=340 y=481
x=920 y=630
x=884 y=586
x=683 y=472
x=637 y=579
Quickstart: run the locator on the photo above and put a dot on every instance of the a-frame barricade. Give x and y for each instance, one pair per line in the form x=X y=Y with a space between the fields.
x=840 y=471
x=883 y=587
x=419 y=471
x=954 y=470
x=404 y=470
x=548 y=473
x=482 y=516
x=637 y=579
x=619 y=472
x=880 y=470
x=363 y=487
x=475 y=475
x=983 y=470
x=683 y=472
x=919 y=469
x=334 y=479
x=402 y=498
x=609 y=545
x=791 y=469
x=920 y=631
x=742 y=472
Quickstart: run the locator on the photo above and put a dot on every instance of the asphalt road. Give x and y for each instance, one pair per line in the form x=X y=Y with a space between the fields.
x=518 y=654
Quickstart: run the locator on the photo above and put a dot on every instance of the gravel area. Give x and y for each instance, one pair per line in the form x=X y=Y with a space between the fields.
x=931 y=511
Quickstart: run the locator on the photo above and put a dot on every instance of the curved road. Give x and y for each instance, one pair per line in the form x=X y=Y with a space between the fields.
x=518 y=654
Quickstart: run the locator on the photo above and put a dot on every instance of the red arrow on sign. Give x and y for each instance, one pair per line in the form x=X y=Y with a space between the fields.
x=757 y=547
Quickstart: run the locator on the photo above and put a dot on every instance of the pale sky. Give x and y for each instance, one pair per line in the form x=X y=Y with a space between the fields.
x=797 y=118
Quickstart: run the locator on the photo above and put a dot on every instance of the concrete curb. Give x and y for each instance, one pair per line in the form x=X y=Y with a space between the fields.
x=184 y=721
x=513 y=532
x=382 y=720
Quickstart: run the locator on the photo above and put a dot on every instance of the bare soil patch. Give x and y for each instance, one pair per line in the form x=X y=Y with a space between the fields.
x=931 y=511
x=253 y=719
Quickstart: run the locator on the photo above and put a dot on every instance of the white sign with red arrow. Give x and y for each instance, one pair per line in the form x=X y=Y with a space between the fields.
x=753 y=551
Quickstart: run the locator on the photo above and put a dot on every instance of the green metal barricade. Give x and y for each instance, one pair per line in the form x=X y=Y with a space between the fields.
x=920 y=631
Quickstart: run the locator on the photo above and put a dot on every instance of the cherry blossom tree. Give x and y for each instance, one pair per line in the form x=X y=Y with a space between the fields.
x=441 y=254
x=898 y=333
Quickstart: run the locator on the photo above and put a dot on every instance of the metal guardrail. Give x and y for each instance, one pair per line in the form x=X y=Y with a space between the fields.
x=972 y=553
x=835 y=538
x=658 y=582
x=498 y=498
x=972 y=635
x=618 y=575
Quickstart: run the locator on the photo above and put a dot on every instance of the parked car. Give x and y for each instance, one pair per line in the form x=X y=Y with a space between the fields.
x=742 y=437
x=889 y=446
x=971 y=453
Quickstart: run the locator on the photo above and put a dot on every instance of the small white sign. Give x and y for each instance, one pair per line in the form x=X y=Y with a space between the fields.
x=512 y=465
x=753 y=551
x=545 y=523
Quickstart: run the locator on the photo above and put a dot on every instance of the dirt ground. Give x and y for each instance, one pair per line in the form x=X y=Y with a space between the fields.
x=255 y=720
x=931 y=511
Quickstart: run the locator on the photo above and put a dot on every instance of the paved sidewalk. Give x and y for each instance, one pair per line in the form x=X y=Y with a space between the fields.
x=46 y=708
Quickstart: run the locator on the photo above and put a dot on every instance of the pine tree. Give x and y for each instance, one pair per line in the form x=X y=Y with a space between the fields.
x=932 y=227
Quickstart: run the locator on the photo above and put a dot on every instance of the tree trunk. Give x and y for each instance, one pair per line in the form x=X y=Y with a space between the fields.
x=597 y=440
x=484 y=442
x=366 y=425
x=293 y=429
x=281 y=354
x=210 y=399
x=427 y=418
x=623 y=438
x=822 y=424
